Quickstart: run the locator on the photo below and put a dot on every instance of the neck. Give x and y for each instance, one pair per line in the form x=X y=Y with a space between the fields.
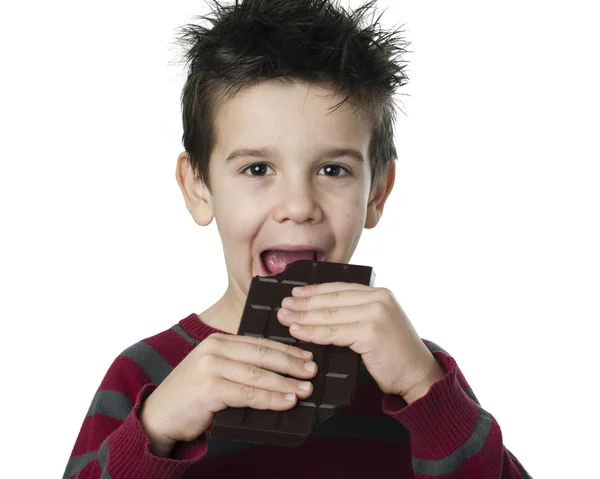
x=226 y=313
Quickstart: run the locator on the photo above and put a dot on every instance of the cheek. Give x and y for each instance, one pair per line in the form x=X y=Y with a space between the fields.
x=351 y=217
x=237 y=220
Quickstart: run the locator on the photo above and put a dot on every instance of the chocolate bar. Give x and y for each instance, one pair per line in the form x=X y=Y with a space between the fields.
x=335 y=382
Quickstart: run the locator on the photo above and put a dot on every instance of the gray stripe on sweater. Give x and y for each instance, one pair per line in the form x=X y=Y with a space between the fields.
x=110 y=403
x=434 y=348
x=452 y=462
x=117 y=405
x=471 y=394
x=153 y=364
x=179 y=330
x=77 y=463
x=103 y=460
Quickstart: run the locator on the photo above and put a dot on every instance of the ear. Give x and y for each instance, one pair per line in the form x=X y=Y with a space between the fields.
x=198 y=199
x=379 y=195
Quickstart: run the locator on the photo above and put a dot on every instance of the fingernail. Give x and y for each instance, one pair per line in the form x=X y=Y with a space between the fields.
x=307 y=354
x=295 y=327
x=288 y=302
x=290 y=397
x=285 y=312
x=304 y=385
x=309 y=366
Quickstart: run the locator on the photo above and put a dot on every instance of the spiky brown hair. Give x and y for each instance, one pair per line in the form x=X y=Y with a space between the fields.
x=314 y=41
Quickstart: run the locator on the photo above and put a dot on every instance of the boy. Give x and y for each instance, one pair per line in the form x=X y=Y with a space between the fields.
x=288 y=134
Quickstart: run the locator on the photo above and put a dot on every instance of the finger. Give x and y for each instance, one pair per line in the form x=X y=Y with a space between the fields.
x=261 y=354
x=256 y=377
x=348 y=334
x=232 y=394
x=330 y=299
x=311 y=289
x=285 y=348
x=323 y=317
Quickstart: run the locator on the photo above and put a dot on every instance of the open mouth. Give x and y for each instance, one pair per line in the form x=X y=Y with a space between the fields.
x=275 y=261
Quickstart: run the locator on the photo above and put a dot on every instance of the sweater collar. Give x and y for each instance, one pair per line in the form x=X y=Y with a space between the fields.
x=196 y=328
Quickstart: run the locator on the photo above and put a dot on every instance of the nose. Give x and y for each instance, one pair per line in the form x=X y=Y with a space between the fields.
x=298 y=202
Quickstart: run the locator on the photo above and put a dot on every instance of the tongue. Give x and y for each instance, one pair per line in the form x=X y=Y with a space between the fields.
x=277 y=261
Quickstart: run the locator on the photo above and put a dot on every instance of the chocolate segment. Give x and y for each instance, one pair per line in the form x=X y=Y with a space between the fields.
x=335 y=382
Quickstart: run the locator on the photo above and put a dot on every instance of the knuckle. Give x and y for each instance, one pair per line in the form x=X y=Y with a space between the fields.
x=334 y=295
x=210 y=344
x=330 y=331
x=255 y=372
x=260 y=350
x=287 y=384
x=378 y=308
x=270 y=397
x=291 y=360
x=207 y=363
x=385 y=295
x=330 y=313
x=249 y=393
x=290 y=349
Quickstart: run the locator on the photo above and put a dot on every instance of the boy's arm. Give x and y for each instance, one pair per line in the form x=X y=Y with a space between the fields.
x=112 y=442
x=451 y=435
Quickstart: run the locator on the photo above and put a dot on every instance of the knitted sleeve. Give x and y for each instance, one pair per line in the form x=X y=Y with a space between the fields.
x=452 y=436
x=112 y=442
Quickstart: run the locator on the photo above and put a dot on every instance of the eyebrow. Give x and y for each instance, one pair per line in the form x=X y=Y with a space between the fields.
x=331 y=152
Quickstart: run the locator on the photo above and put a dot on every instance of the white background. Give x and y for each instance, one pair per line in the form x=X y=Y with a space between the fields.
x=489 y=240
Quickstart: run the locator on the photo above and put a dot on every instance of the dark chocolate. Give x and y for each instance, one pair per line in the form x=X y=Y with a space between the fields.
x=335 y=382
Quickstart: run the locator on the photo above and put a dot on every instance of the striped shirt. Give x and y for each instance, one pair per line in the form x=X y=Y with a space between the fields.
x=444 y=434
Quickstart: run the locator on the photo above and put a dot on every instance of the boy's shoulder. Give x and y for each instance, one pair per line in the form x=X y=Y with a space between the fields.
x=153 y=358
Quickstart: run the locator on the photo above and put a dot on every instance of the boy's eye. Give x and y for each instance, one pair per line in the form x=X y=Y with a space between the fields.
x=330 y=170
x=257 y=169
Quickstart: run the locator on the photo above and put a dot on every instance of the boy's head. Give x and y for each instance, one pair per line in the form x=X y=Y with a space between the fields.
x=288 y=114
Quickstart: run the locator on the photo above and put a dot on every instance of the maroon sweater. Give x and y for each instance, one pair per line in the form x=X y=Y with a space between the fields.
x=445 y=434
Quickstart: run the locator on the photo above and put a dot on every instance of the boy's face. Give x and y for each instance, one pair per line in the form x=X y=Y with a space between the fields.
x=295 y=195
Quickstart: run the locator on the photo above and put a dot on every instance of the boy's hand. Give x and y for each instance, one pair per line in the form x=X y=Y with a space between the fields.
x=223 y=370
x=371 y=322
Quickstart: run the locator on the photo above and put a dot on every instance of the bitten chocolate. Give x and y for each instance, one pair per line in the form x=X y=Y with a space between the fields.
x=337 y=373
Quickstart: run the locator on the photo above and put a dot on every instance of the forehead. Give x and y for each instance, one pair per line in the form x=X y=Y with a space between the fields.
x=289 y=117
